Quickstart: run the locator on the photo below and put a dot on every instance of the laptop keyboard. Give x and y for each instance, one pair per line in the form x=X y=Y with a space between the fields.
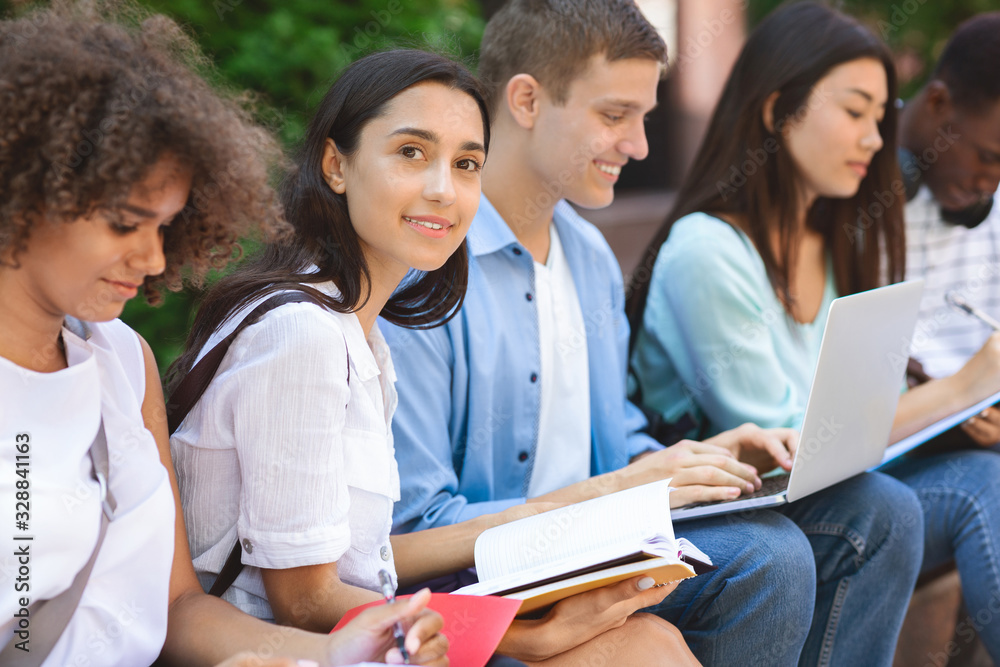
x=768 y=487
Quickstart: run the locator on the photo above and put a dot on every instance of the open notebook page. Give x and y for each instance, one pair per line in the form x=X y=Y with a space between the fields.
x=631 y=516
x=663 y=549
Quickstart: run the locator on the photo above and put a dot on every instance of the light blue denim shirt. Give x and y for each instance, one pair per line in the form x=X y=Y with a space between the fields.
x=466 y=428
x=715 y=341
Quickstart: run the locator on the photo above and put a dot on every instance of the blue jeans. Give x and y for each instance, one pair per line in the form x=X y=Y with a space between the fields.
x=960 y=496
x=867 y=538
x=823 y=581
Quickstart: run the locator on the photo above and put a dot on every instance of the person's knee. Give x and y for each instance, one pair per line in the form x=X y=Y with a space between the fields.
x=655 y=640
x=897 y=520
x=644 y=625
x=962 y=487
x=774 y=551
x=973 y=472
x=764 y=556
x=766 y=578
x=882 y=519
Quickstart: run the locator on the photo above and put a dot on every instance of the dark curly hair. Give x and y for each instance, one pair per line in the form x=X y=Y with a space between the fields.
x=970 y=63
x=93 y=95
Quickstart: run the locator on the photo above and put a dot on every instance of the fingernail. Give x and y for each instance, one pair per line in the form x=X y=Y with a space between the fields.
x=646 y=583
x=984 y=414
x=750 y=488
x=307 y=663
x=733 y=492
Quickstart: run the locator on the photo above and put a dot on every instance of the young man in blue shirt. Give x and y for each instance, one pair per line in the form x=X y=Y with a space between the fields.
x=521 y=397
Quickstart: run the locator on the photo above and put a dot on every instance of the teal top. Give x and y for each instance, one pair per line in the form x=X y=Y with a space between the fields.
x=715 y=341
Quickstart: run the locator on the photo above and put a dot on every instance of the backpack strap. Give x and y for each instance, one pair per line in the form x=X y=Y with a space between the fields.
x=230 y=570
x=194 y=384
x=49 y=618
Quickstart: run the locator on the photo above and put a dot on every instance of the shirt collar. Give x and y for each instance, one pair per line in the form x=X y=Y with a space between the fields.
x=489 y=232
x=362 y=359
x=382 y=355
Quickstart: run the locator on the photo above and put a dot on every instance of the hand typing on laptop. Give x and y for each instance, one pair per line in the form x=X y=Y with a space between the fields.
x=764 y=449
x=721 y=468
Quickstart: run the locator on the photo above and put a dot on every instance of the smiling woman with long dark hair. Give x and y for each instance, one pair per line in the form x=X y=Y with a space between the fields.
x=795 y=199
x=289 y=450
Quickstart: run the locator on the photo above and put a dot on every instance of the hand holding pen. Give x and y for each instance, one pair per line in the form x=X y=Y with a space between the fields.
x=955 y=300
x=983 y=428
x=385 y=581
x=364 y=638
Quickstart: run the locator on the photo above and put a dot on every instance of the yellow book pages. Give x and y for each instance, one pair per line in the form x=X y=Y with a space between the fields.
x=662 y=570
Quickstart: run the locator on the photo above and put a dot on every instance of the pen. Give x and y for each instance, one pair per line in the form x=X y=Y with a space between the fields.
x=397 y=630
x=957 y=302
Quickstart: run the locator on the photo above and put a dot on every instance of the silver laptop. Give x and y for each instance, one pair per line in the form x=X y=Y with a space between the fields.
x=852 y=403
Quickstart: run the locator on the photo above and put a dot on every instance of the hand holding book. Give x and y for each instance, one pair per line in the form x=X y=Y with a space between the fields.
x=544 y=558
x=580 y=618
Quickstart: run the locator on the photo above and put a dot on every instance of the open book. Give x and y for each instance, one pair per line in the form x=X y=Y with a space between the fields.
x=544 y=558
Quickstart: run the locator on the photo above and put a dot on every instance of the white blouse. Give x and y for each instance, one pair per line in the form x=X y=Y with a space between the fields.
x=282 y=452
x=122 y=616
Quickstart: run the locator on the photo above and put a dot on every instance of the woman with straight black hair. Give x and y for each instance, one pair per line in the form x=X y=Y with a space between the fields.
x=744 y=169
x=288 y=454
x=794 y=199
x=326 y=246
x=289 y=447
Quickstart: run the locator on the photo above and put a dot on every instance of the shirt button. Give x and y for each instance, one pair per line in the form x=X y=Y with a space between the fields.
x=384 y=553
x=517 y=251
x=247 y=546
x=522 y=457
x=528 y=296
x=534 y=377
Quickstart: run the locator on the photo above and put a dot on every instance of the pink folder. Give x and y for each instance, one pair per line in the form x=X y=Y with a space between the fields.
x=473 y=624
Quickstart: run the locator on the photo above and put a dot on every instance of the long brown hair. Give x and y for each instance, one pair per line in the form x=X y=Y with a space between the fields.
x=742 y=168
x=324 y=235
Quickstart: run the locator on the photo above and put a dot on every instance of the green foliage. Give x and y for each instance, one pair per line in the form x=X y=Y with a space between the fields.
x=165 y=328
x=291 y=51
x=288 y=52
x=916 y=30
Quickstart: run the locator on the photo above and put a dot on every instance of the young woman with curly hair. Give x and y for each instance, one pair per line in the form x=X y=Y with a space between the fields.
x=120 y=168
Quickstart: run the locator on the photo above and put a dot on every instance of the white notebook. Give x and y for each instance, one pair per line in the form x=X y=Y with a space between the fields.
x=544 y=558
